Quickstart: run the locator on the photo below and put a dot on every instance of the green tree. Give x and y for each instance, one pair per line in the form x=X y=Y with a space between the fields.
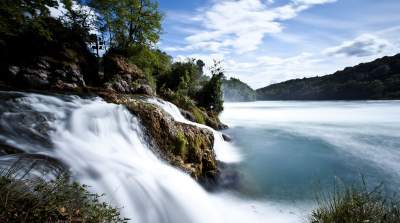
x=129 y=22
x=210 y=96
x=79 y=17
x=16 y=16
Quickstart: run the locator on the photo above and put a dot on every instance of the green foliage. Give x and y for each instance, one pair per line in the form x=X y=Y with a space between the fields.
x=184 y=77
x=210 y=96
x=79 y=17
x=153 y=62
x=236 y=90
x=356 y=205
x=129 y=22
x=379 y=79
x=198 y=115
x=38 y=200
x=18 y=16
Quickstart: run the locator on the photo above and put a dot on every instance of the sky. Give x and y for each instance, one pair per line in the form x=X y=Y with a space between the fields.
x=263 y=42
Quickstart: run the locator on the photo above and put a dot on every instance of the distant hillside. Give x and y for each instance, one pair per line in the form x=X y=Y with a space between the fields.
x=379 y=79
x=235 y=90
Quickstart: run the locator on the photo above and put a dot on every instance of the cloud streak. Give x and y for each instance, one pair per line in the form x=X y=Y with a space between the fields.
x=362 y=46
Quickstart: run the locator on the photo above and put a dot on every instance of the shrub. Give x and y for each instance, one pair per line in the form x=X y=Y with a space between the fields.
x=357 y=204
x=59 y=200
x=183 y=77
x=210 y=96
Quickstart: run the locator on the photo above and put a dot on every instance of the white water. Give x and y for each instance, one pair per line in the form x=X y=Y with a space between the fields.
x=103 y=145
x=224 y=151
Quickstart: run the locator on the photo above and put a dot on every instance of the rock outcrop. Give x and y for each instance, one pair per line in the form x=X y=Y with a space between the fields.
x=61 y=62
x=124 y=77
x=185 y=146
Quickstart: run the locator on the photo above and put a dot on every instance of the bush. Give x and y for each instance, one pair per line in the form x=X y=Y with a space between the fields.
x=357 y=205
x=183 y=77
x=38 y=200
x=210 y=96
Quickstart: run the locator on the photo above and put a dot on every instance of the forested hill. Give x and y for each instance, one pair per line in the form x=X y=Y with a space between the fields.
x=236 y=90
x=379 y=79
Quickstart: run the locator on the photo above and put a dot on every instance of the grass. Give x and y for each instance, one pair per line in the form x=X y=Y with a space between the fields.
x=35 y=199
x=357 y=204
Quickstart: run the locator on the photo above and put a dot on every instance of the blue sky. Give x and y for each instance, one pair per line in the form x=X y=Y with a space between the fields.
x=268 y=41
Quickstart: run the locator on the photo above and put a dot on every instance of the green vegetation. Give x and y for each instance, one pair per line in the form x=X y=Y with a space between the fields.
x=129 y=22
x=357 y=204
x=379 y=79
x=56 y=52
x=210 y=96
x=37 y=200
x=235 y=90
x=181 y=145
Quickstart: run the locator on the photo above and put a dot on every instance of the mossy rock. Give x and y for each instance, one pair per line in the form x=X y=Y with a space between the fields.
x=187 y=147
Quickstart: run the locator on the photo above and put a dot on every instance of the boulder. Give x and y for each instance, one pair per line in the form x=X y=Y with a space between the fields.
x=226 y=138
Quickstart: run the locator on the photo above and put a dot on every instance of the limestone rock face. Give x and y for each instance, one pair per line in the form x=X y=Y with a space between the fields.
x=123 y=77
x=187 y=147
x=47 y=73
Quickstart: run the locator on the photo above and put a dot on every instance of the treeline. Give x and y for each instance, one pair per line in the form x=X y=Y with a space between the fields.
x=379 y=79
x=236 y=90
x=41 y=51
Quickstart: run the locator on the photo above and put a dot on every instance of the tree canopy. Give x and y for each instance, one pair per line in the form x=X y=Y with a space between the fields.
x=129 y=22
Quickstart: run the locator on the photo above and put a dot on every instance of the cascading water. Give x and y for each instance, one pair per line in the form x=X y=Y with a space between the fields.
x=224 y=151
x=104 y=147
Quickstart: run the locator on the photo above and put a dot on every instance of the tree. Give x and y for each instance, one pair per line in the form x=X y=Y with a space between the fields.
x=18 y=15
x=129 y=22
x=79 y=17
x=210 y=96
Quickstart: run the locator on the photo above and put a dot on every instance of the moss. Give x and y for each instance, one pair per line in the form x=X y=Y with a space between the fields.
x=181 y=144
x=198 y=115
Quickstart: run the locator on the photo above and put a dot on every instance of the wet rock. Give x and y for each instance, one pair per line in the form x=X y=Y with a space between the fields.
x=226 y=138
x=34 y=78
x=19 y=123
x=13 y=71
x=188 y=115
x=227 y=177
x=185 y=146
x=7 y=150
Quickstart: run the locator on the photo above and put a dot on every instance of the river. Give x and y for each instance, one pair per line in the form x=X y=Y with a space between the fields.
x=292 y=151
x=284 y=153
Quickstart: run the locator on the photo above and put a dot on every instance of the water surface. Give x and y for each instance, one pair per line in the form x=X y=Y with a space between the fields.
x=293 y=150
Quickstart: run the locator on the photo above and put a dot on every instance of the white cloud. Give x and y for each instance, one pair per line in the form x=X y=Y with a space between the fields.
x=265 y=70
x=235 y=31
x=240 y=25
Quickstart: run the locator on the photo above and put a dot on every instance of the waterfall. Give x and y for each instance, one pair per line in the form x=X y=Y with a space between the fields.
x=104 y=147
x=224 y=151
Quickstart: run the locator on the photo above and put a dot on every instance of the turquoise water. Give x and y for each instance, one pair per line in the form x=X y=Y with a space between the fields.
x=293 y=150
